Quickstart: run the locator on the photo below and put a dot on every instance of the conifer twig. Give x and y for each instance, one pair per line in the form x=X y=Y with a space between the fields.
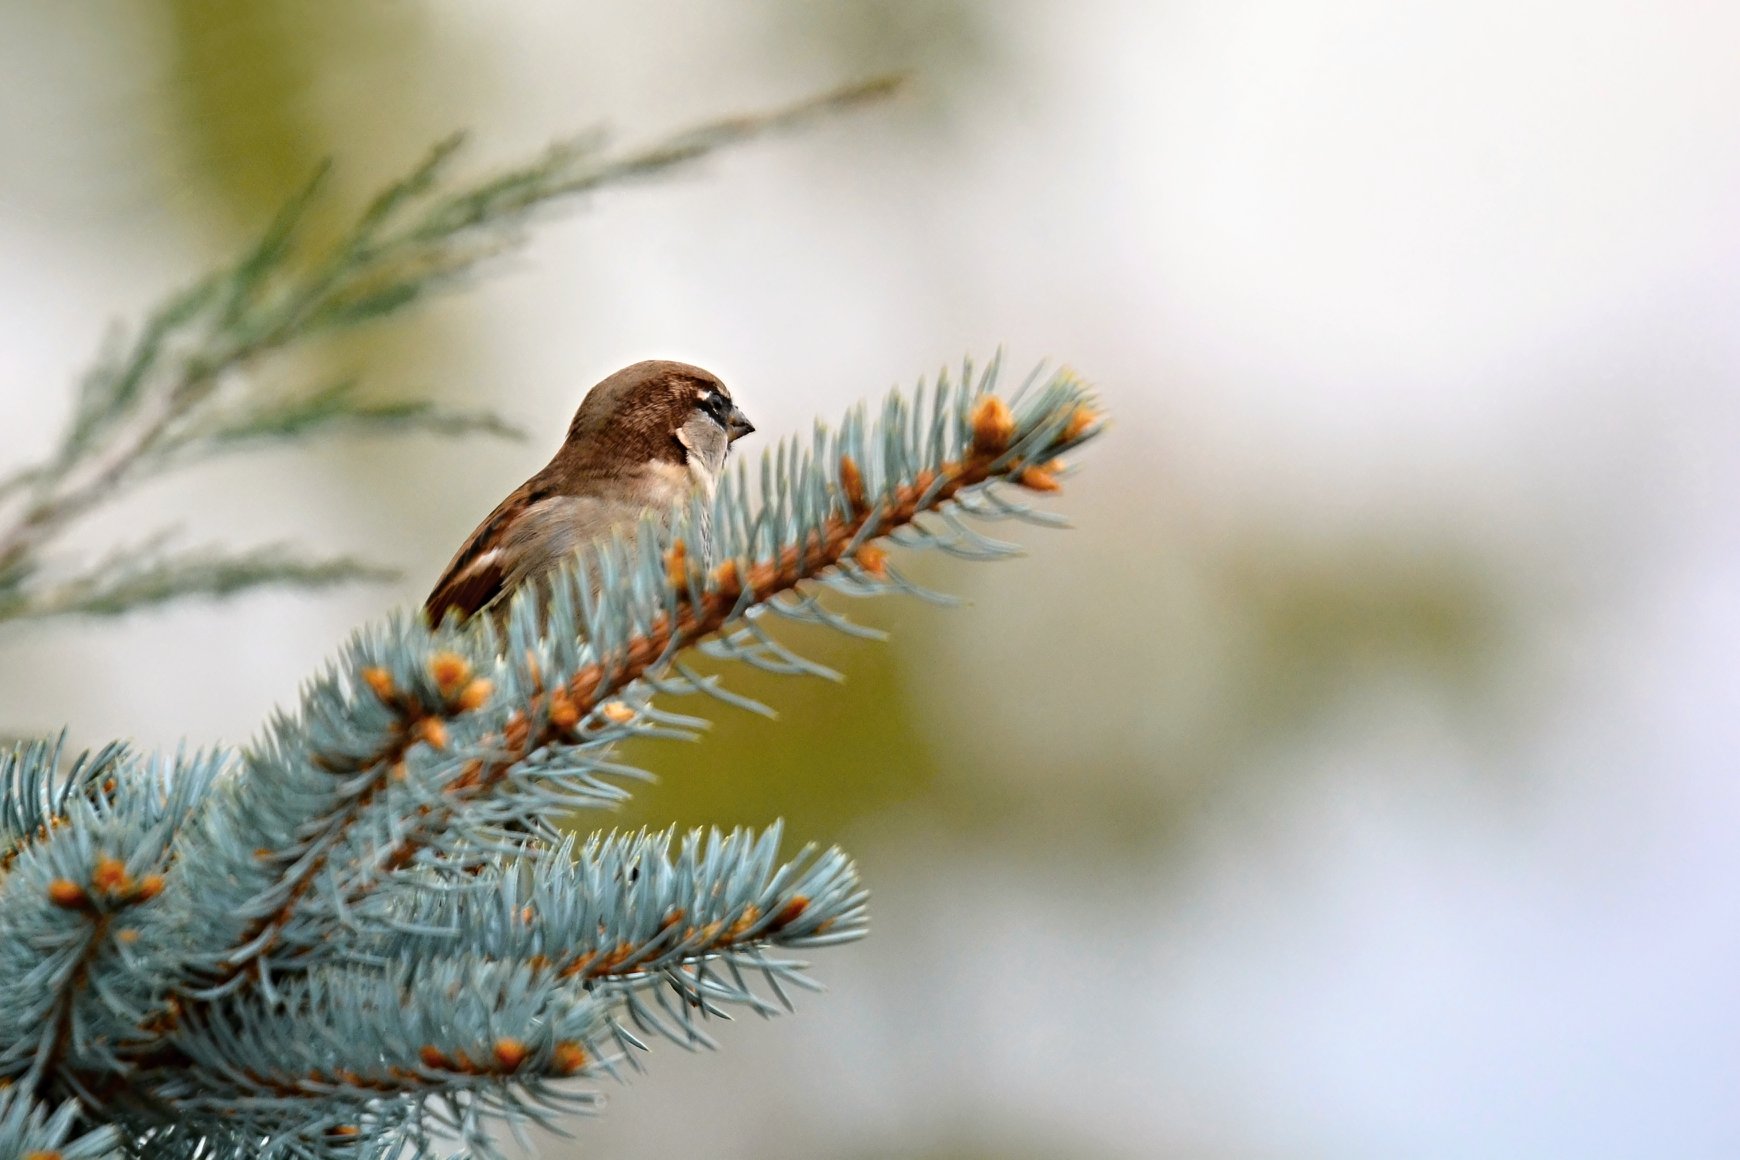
x=342 y=934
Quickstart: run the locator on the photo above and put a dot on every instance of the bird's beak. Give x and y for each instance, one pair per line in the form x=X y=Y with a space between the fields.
x=737 y=425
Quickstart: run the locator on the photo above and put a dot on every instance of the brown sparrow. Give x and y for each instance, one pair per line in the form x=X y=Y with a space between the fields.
x=644 y=440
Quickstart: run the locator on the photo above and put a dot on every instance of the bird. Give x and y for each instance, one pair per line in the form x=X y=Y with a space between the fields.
x=644 y=440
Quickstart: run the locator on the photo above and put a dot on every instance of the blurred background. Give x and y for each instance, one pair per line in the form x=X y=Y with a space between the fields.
x=1358 y=779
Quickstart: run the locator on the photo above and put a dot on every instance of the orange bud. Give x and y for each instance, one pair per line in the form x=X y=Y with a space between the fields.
x=677 y=566
x=789 y=913
x=750 y=916
x=617 y=713
x=433 y=731
x=150 y=887
x=69 y=894
x=381 y=681
x=1037 y=479
x=510 y=1053
x=726 y=580
x=473 y=696
x=127 y=935
x=873 y=560
x=563 y=714
x=110 y=875
x=568 y=1058
x=344 y=1131
x=852 y=484
x=993 y=425
x=433 y=1058
x=450 y=670
x=1080 y=420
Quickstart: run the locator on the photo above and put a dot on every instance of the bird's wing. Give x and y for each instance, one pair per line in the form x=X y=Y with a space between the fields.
x=529 y=533
x=482 y=569
x=477 y=573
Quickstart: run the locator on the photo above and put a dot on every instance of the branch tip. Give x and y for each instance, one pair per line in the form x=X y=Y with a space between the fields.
x=450 y=671
x=1080 y=420
x=510 y=1053
x=1038 y=479
x=789 y=913
x=474 y=695
x=564 y=714
x=568 y=1058
x=677 y=566
x=68 y=895
x=432 y=731
x=381 y=681
x=852 y=485
x=110 y=876
x=993 y=426
x=874 y=560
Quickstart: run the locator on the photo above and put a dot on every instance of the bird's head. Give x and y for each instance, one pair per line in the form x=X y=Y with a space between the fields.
x=662 y=412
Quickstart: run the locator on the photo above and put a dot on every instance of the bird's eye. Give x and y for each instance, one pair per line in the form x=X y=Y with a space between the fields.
x=717 y=407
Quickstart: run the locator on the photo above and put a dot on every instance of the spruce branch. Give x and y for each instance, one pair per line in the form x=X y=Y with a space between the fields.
x=622 y=917
x=341 y=939
x=147 y=574
x=184 y=387
x=527 y=729
x=325 y=412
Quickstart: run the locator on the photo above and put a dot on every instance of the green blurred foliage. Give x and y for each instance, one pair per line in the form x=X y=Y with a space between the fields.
x=242 y=77
x=248 y=77
x=1321 y=620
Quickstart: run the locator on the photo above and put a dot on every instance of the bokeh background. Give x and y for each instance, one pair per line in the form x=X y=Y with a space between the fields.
x=1357 y=779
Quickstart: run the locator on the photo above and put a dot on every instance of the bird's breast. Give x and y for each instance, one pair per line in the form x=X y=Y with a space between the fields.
x=677 y=484
x=668 y=484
